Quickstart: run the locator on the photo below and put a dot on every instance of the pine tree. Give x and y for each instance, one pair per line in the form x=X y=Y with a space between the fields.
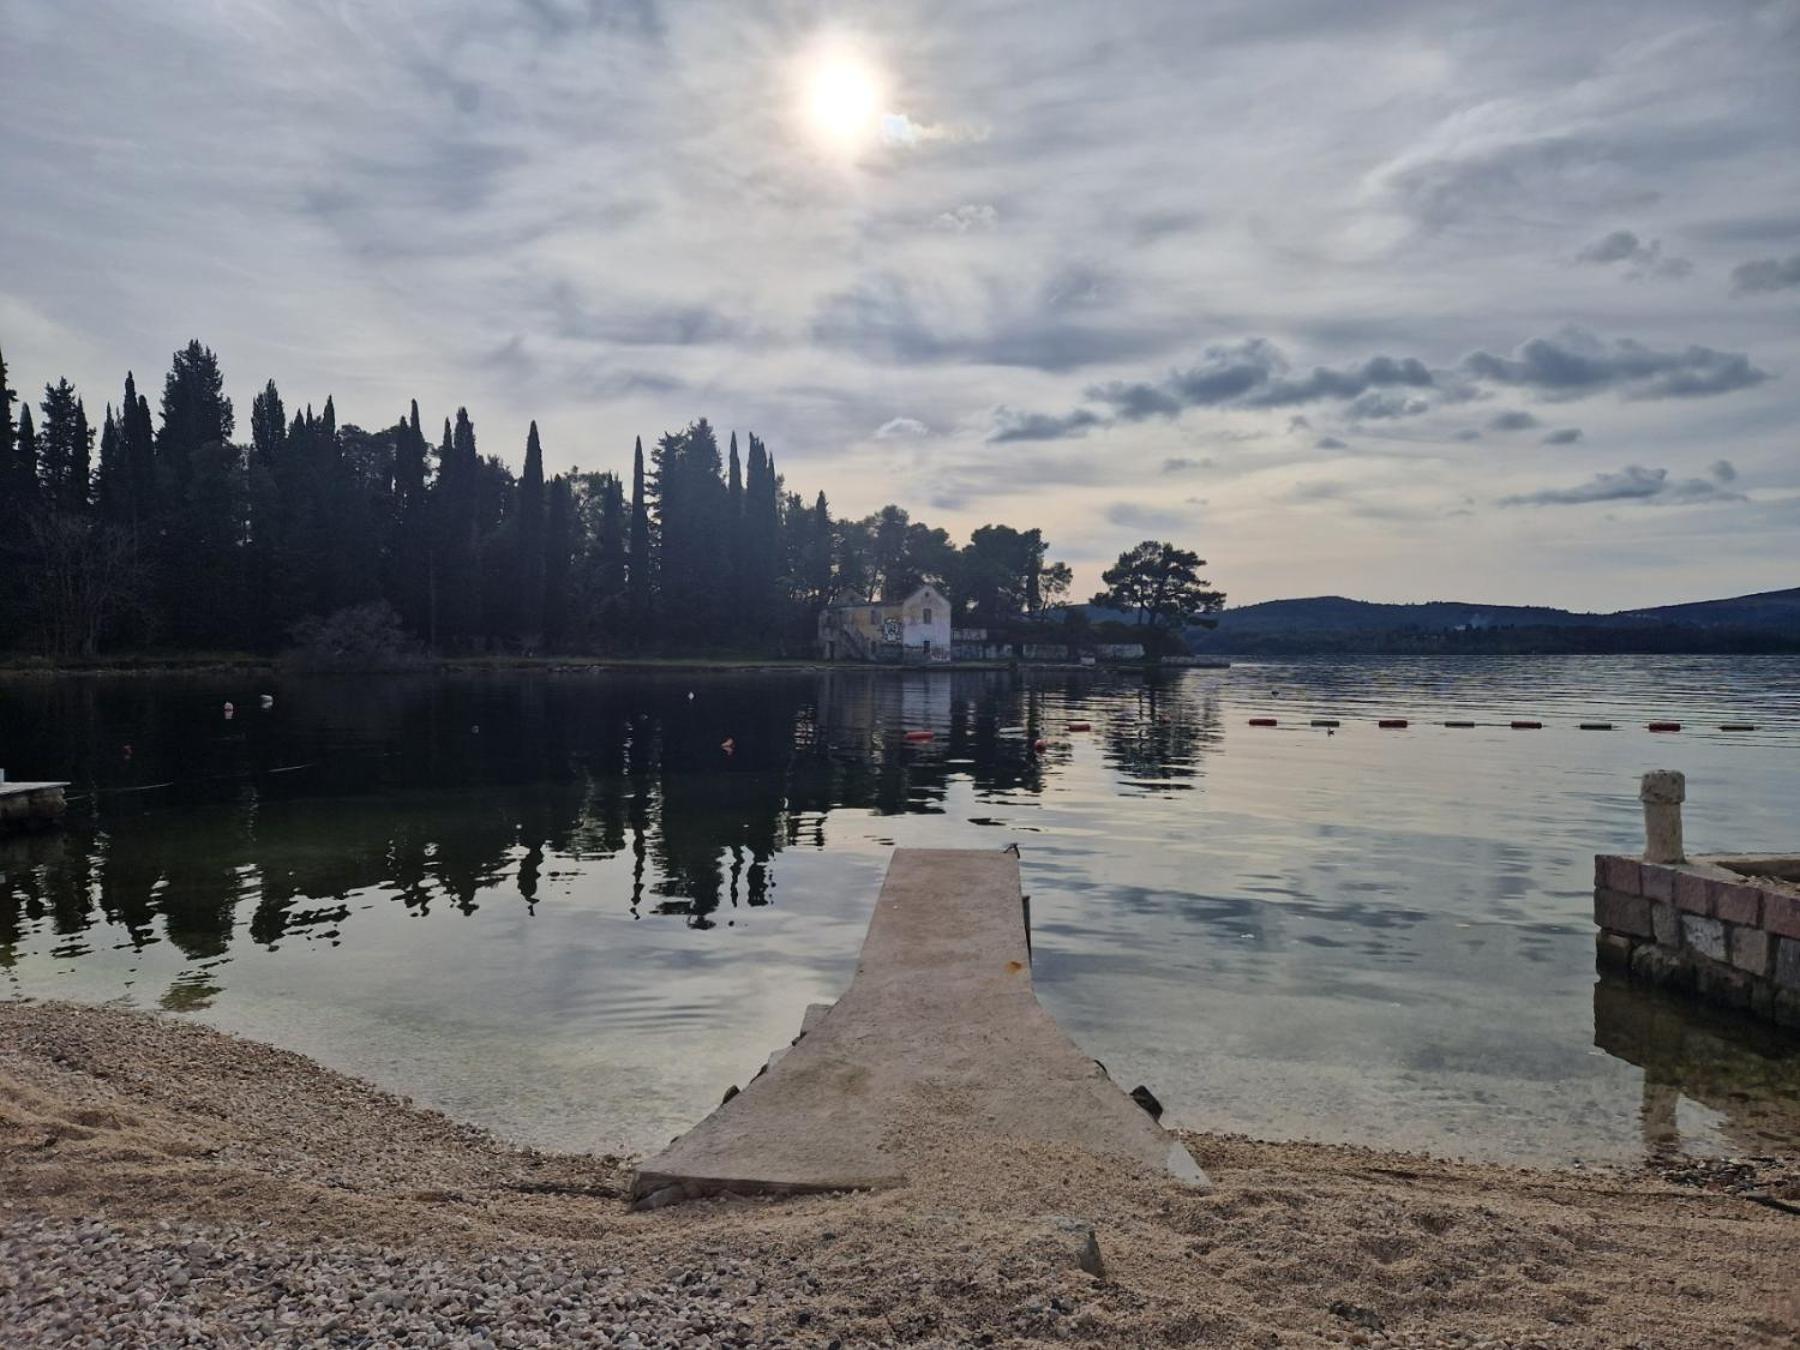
x=66 y=446
x=25 y=459
x=530 y=542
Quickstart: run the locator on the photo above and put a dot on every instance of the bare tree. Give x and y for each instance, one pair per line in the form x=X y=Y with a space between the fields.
x=85 y=575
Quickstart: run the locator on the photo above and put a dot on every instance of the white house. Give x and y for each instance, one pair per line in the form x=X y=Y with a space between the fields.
x=915 y=630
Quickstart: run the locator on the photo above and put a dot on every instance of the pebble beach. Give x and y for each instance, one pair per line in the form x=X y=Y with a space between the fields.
x=164 y=1184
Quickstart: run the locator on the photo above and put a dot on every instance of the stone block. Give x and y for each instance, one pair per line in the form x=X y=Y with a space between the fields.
x=1781 y=913
x=1735 y=902
x=1787 y=963
x=1703 y=935
x=1665 y=921
x=1612 y=950
x=1748 y=948
x=1657 y=882
x=1724 y=985
x=1657 y=965
x=1787 y=1008
x=1620 y=913
x=1693 y=893
x=1615 y=873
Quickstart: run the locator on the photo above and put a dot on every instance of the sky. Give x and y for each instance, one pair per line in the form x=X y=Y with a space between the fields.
x=1401 y=301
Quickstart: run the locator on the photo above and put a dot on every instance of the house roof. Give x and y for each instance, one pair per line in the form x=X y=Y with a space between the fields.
x=888 y=603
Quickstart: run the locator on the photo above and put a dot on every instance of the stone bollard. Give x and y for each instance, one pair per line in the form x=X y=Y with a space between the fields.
x=1662 y=792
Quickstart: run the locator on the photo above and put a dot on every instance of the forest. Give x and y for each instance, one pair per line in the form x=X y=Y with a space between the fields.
x=170 y=533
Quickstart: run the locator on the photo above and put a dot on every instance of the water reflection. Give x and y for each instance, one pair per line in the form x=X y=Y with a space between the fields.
x=1746 y=1076
x=455 y=793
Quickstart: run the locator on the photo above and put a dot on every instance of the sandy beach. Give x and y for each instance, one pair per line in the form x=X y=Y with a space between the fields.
x=165 y=1184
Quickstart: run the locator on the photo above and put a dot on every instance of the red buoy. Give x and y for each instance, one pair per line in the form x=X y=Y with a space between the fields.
x=1040 y=746
x=1391 y=722
x=1262 y=721
x=1081 y=726
x=921 y=735
x=1665 y=726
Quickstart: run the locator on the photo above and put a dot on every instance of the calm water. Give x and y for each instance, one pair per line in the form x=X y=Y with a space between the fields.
x=554 y=905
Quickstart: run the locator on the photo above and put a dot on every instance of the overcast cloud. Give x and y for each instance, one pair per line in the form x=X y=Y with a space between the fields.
x=1404 y=246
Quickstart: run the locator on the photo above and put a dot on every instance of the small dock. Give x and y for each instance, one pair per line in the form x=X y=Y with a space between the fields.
x=939 y=1025
x=30 y=806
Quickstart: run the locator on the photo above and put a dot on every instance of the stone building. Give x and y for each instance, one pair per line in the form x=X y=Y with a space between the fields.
x=913 y=631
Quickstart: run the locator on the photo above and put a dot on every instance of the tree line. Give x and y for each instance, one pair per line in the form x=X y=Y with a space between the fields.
x=168 y=532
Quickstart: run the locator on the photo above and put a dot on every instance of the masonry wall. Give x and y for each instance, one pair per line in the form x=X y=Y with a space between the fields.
x=1704 y=927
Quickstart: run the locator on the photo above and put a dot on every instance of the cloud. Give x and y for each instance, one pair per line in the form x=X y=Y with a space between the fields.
x=1723 y=471
x=1011 y=425
x=1632 y=483
x=901 y=428
x=1576 y=363
x=1183 y=463
x=970 y=217
x=1379 y=404
x=1468 y=434
x=1641 y=259
x=1563 y=436
x=898 y=129
x=1766 y=274
x=1512 y=420
x=1135 y=516
x=1329 y=443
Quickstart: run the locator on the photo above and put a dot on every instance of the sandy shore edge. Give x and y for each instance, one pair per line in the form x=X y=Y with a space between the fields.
x=162 y=1183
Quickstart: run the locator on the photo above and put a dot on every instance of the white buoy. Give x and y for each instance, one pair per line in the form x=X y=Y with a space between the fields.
x=230 y=712
x=268 y=701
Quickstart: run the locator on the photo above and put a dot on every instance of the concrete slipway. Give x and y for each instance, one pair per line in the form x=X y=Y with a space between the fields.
x=940 y=1023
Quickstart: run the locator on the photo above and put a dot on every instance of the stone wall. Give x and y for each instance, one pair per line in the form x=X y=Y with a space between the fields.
x=1724 y=927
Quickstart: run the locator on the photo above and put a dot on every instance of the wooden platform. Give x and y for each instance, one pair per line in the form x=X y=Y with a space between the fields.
x=939 y=1029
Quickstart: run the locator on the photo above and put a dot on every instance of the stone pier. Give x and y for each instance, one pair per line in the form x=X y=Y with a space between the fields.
x=26 y=806
x=940 y=1026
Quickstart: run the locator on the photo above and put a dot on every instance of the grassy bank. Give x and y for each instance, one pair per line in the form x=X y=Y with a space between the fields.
x=161 y=1182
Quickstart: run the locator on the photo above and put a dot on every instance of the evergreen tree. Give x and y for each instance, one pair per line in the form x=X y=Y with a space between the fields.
x=639 y=561
x=10 y=491
x=25 y=459
x=531 y=564
x=561 y=536
x=112 y=489
x=409 y=549
x=137 y=448
x=200 y=507
x=65 y=449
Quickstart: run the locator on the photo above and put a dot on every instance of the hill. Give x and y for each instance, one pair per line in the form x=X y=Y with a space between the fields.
x=1765 y=622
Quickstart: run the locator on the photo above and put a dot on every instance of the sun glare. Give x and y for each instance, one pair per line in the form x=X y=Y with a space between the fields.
x=843 y=101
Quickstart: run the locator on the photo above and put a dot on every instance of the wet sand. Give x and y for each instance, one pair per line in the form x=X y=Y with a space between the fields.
x=162 y=1183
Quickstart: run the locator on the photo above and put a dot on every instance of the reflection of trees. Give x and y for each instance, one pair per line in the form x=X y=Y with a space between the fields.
x=451 y=793
x=1747 y=1073
x=1158 y=743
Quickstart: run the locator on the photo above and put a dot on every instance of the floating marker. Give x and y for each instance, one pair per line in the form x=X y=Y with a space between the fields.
x=1040 y=746
x=1665 y=726
x=1262 y=721
x=230 y=712
x=1737 y=726
x=921 y=735
x=1081 y=726
x=1392 y=722
x=1527 y=726
x=1463 y=725
x=729 y=745
x=1596 y=726
x=1326 y=722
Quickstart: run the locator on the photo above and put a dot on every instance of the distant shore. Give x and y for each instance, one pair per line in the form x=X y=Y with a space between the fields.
x=160 y=1182
x=236 y=664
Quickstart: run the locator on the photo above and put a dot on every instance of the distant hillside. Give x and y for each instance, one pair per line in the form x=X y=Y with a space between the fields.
x=1769 y=621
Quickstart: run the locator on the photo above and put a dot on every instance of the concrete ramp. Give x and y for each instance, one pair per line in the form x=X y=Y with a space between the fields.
x=940 y=1025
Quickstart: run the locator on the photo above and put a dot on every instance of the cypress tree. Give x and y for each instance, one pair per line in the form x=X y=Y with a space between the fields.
x=112 y=490
x=25 y=457
x=639 y=561
x=137 y=447
x=200 y=502
x=9 y=466
x=410 y=549
x=531 y=554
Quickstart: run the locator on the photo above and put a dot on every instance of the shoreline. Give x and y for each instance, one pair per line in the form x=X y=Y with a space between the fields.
x=575 y=665
x=173 y=1181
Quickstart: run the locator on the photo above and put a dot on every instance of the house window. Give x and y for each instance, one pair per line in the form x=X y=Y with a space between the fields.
x=927 y=616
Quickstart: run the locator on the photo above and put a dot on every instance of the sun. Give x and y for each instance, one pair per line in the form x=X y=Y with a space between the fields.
x=842 y=100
